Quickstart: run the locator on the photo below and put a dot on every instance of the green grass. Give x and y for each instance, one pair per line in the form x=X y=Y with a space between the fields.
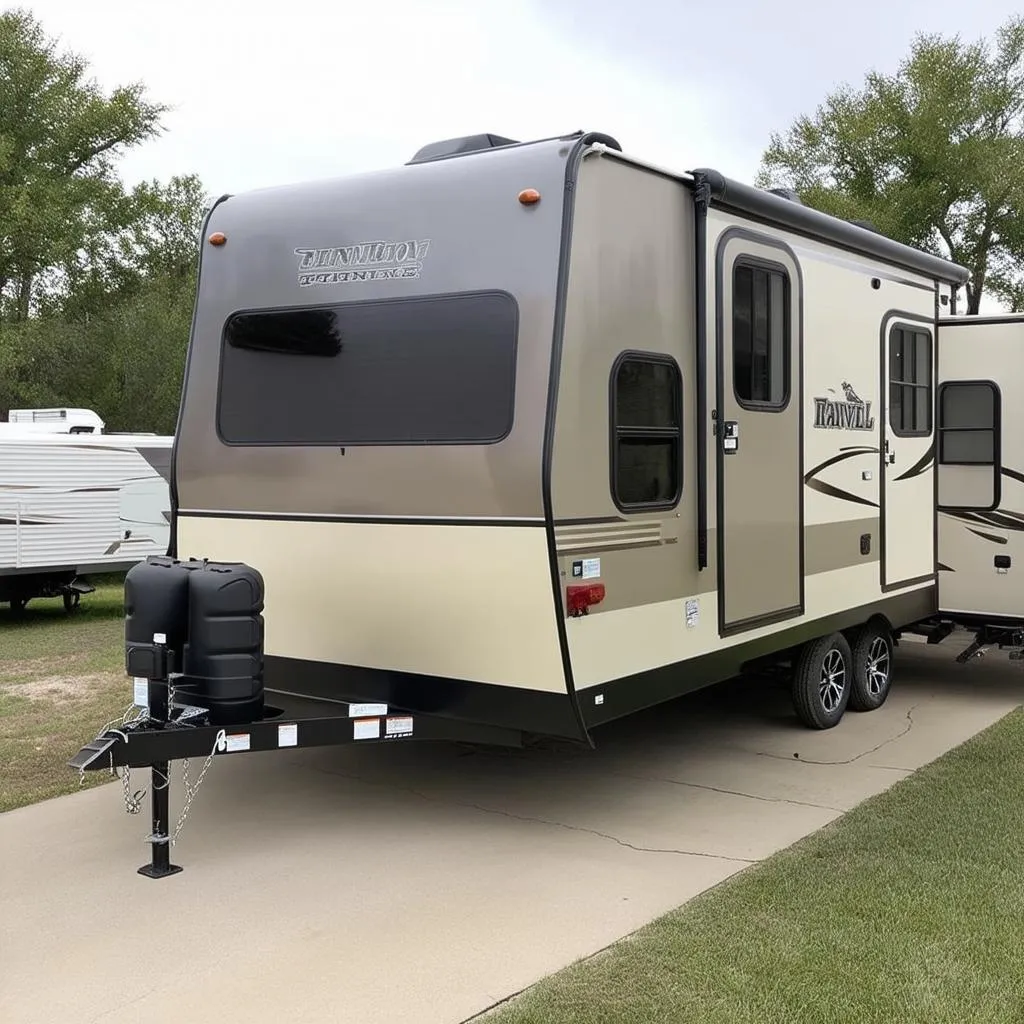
x=908 y=909
x=61 y=679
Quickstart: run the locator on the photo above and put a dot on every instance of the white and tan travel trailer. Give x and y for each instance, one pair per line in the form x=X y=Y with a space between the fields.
x=74 y=502
x=522 y=438
x=500 y=389
x=980 y=474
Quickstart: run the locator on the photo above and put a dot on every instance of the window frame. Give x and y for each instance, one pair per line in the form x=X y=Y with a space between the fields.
x=996 y=465
x=619 y=432
x=771 y=267
x=911 y=386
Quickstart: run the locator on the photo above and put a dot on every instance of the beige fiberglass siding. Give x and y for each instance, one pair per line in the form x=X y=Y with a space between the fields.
x=463 y=602
x=631 y=288
x=971 y=532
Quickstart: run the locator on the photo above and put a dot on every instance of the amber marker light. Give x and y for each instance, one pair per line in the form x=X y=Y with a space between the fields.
x=217 y=238
x=529 y=197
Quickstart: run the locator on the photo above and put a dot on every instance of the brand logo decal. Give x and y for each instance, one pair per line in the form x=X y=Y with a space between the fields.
x=848 y=413
x=363 y=261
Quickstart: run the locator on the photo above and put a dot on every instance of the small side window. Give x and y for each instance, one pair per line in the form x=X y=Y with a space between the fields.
x=967 y=424
x=968 y=445
x=647 y=405
x=760 y=336
x=910 y=382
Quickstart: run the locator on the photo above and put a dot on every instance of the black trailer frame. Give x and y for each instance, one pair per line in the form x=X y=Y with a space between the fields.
x=166 y=730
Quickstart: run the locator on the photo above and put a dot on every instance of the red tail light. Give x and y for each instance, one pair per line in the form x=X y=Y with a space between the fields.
x=580 y=599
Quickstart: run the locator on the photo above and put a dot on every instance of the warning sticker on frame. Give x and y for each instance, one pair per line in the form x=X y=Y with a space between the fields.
x=399 y=725
x=692 y=612
x=366 y=729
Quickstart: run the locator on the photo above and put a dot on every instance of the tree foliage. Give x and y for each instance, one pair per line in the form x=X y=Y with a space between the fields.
x=97 y=280
x=932 y=155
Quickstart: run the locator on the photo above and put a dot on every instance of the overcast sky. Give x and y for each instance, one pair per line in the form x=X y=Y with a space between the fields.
x=267 y=91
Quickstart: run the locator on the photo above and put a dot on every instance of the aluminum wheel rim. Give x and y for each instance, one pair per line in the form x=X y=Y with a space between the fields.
x=878 y=666
x=832 y=683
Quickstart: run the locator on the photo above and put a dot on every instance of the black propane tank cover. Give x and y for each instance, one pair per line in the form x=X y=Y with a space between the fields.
x=224 y=654
x=155 y=601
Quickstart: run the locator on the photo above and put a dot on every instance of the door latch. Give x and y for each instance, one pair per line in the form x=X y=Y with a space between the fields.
x=890 y=456
x=730 y=437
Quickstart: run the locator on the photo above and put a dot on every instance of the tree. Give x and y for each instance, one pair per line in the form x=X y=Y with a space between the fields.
x=116 y=341
x=59 y=137
x=933 y=156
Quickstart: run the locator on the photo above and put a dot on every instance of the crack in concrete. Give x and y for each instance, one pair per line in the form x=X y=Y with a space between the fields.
x=538 y=821
x=851 y=760
x=726 y=792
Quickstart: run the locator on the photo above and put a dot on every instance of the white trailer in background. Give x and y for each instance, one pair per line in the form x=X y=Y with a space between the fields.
x=53 y=421
x=75 y=501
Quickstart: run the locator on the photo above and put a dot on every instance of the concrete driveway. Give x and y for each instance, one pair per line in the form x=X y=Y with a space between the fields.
x=425 y=883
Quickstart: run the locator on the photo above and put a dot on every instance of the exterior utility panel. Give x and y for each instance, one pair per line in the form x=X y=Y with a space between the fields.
x=443 y=424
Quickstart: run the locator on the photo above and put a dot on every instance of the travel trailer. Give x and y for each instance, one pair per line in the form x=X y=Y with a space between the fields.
x=52 y=421
x=74 y=501
x=523 y=438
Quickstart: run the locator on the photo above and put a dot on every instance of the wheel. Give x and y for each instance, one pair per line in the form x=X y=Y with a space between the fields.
x=19 y=604
x=822 y=681
x=872 y=667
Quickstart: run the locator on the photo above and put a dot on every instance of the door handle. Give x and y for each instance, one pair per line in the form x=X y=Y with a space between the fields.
x=890 y=456
x=731 y=437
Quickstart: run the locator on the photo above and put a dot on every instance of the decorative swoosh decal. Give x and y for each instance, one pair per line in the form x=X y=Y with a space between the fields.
x=836 y=492
x=1012 y=521
x=830 y=489
x=921 y=465
x=944 y=568
x=987 y=536
x=845 y=453
x=1012 y=474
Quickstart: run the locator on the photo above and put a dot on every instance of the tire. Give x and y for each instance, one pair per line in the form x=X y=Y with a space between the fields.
x=872 y=650
x=822 y=680
x=71 y=599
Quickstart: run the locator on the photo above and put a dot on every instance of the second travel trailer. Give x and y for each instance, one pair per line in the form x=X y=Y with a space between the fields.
x=75 y=501
x=523 y=438
x=979 y=423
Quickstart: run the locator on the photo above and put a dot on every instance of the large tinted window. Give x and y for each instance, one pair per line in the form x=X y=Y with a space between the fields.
x=646 y=432
x=406 y=371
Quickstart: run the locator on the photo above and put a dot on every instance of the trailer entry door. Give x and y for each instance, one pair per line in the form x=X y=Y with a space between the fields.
x=908 y=453
x=758 y=434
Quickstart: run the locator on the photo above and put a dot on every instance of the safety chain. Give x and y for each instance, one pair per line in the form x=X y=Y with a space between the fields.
x=190 y=790
x=135 y=715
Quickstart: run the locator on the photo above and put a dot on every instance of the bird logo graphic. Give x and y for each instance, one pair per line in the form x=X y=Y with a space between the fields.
x=851 y=395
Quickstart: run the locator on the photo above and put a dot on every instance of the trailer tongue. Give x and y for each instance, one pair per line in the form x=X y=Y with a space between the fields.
x=195 y=630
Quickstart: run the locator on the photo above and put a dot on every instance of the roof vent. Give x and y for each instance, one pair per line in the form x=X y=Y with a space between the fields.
x=460 y=147
x=787 y=193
